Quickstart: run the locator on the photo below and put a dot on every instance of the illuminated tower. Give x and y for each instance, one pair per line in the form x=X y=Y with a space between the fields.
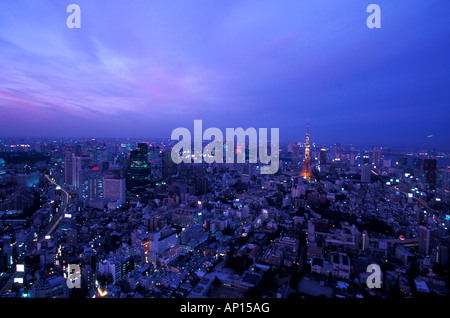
x=306 y=170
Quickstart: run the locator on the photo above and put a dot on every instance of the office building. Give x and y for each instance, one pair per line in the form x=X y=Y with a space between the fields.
x=91 y=183
x=68 y=169
x=366 y=172
x=376 y=155
x=430 y=171
x=79 y=164
x=52 y=286
x=426 y=240
x=323 y=156
x=295 y=152
x=114 y=186
x=138 y=173
x=169 y=167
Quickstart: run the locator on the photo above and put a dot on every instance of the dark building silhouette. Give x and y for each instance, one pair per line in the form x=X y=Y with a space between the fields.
x=138 y=170
x=169 y=167
x=430 y=171
x=323 y=156
x=376 y=154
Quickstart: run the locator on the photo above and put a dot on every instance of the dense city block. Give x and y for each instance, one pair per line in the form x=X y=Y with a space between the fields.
x=119 y=219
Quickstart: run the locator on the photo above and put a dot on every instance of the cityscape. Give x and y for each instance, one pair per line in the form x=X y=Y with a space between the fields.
x=138 y=225
x=334 y=183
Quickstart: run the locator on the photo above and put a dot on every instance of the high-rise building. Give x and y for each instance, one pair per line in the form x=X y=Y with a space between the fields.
x=306 y=169
x=72 y=237
x=365 y=240
x=426 y=240
x=201 y=184
x=78 y=149
x=311 y=232
x=169 y=167
x=430 y=170
x=442 y=255
x=417 y=163
x=352 y=159
x=323 y=156
x=138 y=173
x=403 y=161
x=446 y=179
x=337 y=150
x=366 y=172
x=68 y=170
x=2 y=168
x=376 y=156
x=91 y=183
x=295 y=149
x=79 y=163
x=114 y=187
x=154 y=153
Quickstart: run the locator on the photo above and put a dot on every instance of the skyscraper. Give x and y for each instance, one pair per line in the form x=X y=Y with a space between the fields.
x=352 y=158
x=79 y=163
x=430 y=170
x=138 y=169
x=306 y=169
x=424 y=240
x=295 y=149
x=365 y=173
x=169 y=167
x=91 y=183
x=323 y=156
x=68 y=170
x=446 y=179
x=114 y=186
x=376 y=155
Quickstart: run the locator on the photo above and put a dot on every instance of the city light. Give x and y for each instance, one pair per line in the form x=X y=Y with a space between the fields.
x=163 y=180
x=102 y=293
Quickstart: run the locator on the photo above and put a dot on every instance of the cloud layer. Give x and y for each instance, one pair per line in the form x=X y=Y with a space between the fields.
x=147 y=67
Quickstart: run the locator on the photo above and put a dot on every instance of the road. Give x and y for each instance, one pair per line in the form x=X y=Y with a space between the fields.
x=415 y=198
x=48 y=231
x=418 y=200
x=58 y=216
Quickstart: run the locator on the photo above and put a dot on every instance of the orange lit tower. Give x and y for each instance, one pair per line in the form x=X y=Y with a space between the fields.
x=306 y=169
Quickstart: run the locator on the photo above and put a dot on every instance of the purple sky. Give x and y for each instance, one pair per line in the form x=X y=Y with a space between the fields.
x=142 y=68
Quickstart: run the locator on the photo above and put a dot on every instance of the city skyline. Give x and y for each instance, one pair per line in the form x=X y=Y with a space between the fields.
x=141 y=70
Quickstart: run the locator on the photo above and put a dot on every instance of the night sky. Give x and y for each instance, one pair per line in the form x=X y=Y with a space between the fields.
x=143 y=68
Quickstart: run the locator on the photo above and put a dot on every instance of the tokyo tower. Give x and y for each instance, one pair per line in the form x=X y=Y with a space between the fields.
x=306 y=169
